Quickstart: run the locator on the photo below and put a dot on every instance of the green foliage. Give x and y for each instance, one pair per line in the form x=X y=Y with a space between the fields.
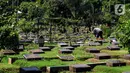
x=106 y=31
x=105 y=69
x=9 y=38
x=122 y=31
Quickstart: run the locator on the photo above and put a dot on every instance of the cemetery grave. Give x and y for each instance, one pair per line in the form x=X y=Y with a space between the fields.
x=62 y=44
x=113 y=47
x=66 y=57
x=113 y=63
x=8 y=52
x=32 y=57
x=37 y=51
x=94 y=44
x=65 y=51
x=57 y=69
x=68 y=47
x=102 y=56
x=93 y=50
x=79 y=68
x=45 y=48
x=30 y=70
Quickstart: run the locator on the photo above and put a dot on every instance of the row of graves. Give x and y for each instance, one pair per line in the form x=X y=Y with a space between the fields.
x=80 y=68
x=66 y=54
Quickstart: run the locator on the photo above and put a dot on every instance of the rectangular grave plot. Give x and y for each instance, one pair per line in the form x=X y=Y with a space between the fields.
x=69 y=47
x=66 y=57
x=8 y=52
x=45 y=48
x=63 y=45
x=79 y=68
x=80 y=42
x=32 y=57
x=30 y=70
x=65 y=51
x=94 y=44
x=37 y=51
x=114 y=63
x=57 y=69
x=92 y=50
x=102 y=56
x=113 y=48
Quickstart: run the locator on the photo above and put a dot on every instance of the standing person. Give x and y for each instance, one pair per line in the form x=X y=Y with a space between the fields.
x=98 y=33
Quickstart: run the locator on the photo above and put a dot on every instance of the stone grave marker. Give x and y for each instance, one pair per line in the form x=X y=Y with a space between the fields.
x=113 y=47
x=62 y=44
x=32 y=57
x=66 y=57
x=29 y=70
x=37 y=51
x=57 y=69
x=80 y=42
x=93 y=50
x=113 y=63
x=65 y=51
x=78 y=68
x=69 y=47
x=8 y=52
x=102 y=56
x=94 y=44
x=41 y=41
x=45 y=48
x=75 y=45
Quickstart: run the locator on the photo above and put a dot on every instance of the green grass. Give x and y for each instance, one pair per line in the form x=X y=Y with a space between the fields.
x=106 y=69
x=8 y=68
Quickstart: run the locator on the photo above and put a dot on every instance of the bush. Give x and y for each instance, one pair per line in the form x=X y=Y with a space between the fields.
x=8 y=38
x=106 y=31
